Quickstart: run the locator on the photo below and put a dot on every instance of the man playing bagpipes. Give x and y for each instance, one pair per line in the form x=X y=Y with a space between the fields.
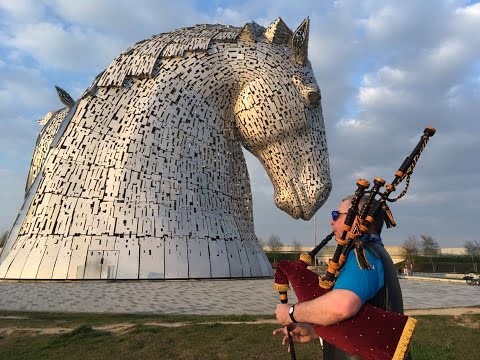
x=353 y=287
x=356 y=308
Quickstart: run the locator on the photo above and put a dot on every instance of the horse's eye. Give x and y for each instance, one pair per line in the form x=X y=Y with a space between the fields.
x=313 y=97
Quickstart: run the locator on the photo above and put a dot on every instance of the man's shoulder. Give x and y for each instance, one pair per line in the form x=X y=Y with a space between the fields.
x=362 y=281
x=352 y=266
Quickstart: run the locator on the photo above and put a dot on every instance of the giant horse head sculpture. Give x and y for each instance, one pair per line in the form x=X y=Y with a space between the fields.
x=279 y=117
x=144 y=175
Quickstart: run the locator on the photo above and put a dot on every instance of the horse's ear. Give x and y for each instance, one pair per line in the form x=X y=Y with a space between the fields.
x=300 y=42
x=65 y=97
x=250 y=32
x=278 y=32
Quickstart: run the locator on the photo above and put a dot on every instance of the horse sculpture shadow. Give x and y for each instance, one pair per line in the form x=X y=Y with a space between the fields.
x=144 y=177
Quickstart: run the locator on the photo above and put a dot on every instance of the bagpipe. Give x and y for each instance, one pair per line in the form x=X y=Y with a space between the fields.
x=373 y=333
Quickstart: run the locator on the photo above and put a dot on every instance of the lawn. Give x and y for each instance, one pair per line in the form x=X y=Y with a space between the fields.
x=99 y=336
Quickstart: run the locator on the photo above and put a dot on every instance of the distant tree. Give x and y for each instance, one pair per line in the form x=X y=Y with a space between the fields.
x=261 y=242
x=410 y=249
x=3 y=238
x=430 y=248
x=429 y=245
x=472 y=248
x=275 y=244
x=297 y=247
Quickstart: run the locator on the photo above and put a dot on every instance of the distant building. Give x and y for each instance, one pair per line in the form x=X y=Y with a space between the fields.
x=395 y=252
x=453 y=251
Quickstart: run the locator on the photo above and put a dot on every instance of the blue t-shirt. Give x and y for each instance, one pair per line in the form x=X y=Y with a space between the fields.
x=365 y=283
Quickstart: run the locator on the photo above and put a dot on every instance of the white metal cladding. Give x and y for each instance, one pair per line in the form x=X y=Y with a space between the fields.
x=144 y=177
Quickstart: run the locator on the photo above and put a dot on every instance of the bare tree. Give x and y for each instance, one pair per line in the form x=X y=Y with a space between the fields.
x=3 y=238
x=297 y=247
x=472 y=248
x=429 y=245
x=261 y=242
x=410 y=249
x=430 y=248
x=275 y=244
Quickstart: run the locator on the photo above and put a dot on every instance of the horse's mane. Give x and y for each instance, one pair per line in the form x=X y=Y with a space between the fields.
x=142 y=59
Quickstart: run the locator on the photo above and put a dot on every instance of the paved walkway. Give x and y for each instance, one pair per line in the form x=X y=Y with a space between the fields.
x=212 y=297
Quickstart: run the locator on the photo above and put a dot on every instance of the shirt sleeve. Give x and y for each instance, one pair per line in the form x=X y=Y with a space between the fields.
x=364 y=283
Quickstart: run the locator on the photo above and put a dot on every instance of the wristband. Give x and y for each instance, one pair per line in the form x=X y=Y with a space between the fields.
x=291 y=309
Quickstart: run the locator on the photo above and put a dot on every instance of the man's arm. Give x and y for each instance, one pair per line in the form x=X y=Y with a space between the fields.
x=336 y=305
x=354 y=286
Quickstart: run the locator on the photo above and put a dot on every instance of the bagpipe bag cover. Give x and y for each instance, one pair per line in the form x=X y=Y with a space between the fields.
x=373 y=333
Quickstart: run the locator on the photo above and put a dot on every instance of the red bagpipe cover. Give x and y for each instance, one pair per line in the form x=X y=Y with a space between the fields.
x=373 y=333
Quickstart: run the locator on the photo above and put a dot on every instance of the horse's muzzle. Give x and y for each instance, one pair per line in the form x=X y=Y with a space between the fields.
x=300 y=201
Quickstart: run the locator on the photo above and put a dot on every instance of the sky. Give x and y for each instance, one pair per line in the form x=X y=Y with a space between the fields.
x=386 y=69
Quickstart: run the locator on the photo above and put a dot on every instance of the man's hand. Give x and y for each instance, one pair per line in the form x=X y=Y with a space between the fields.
x=282 y=314
x=301 y=333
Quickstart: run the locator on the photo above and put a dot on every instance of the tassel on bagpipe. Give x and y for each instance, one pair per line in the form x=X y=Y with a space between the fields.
x=373 y=333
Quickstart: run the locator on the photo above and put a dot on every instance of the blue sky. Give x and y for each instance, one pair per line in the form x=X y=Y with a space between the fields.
x=386 y=70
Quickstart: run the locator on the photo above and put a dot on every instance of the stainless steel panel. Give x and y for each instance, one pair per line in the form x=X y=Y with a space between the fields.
x=176 y=258
x=152 y=258
x=93 y=266
x=33 y=260
x=76 y=268
x=52 y=248
x=63 y=259
x=109 y=264
x=128 y=259
x=198 y=258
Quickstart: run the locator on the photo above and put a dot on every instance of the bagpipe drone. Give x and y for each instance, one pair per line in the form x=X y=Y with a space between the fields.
x=373 y=333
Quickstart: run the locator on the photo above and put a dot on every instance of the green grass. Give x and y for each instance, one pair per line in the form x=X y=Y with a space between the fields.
x=447 y=337
x=436 y=337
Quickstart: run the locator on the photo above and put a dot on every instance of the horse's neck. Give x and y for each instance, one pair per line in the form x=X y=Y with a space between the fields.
x=220 y=99
x=211 y=160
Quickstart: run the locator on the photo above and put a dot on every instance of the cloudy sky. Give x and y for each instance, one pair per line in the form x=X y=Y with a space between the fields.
x=386 y=70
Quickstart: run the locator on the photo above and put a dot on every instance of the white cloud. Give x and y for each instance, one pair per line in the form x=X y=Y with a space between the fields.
x=470 y=11
x=24 y=89
x=383 y=97
x=357 y=126
x=125 y=20
x=350 y=123
x=454 y=95
x=386 y=88
x=383 y=23
x=386 y=74
x=449 y=55
x=424 y=198
x=369 y=172
x=73 y=49
x=397 y=24
x=23 y=9
x=230 y=16
x=17 y=140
